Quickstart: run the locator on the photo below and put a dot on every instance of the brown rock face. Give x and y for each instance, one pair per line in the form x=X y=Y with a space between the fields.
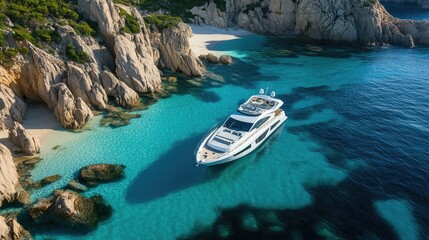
x=72 y=113
x=10 y=229
x=12 y=108
x=19 y=136
x=175 y=52
x=10 y=189
x=81 y=86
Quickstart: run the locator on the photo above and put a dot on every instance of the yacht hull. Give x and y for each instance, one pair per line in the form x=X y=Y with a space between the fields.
x=248 y=146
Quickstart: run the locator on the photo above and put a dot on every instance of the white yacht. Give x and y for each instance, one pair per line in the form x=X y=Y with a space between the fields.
x=246 y=129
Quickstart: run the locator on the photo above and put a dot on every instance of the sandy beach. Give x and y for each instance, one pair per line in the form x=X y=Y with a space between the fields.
x=205 y=38
x=40 y=122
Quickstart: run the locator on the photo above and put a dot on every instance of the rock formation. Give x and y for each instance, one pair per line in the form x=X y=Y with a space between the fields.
x=175 y=52
x=338 y=20
x=99 y=173
x=69 y=209
x=10 y=229
x=10 y=189
x=12 y=108
x=133 y=66
x=124 y=95
x=80 y=84
x=72 y=113
x=19 y=136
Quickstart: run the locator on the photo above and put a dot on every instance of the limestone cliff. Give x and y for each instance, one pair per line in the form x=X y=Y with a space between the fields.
x=338 y=20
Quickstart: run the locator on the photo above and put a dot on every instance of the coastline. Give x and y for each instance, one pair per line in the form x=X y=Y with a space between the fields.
x=41 y=123
x=205 y=38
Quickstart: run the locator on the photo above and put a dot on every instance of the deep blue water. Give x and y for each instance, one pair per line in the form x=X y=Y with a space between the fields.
x=407 y=11
x=351 y=161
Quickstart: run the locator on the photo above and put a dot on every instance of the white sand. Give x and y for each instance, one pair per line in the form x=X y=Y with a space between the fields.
x=40 y=122
x=206 y=37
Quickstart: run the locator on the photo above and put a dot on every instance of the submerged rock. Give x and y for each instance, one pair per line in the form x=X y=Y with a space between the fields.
x=117 y=118
x=19 y=136
x=70 y=209
x=100 y=173
x=225 y=59
x=76 y=186
x=10 y=229
x=50 y=179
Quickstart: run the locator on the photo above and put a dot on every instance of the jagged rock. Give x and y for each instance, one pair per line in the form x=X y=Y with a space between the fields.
x=99 y=173
x=69 y=209
x=12 y=108
x=210 y=57
x=224 y=59
x=135 y=65
x=124 y=95
x=38 y=76
x=72 y=113
x=10 y=229
x=81 y=86
x=97 y=54
x=175 y=52
x=10 y=189
x=19 y=136
x=50 y=179
x=76 y=186
x=106 y=15
x=337 y=20
x=133 y=52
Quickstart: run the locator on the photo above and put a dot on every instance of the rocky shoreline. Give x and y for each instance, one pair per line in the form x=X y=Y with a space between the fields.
x=360 y=21
x=122 y=66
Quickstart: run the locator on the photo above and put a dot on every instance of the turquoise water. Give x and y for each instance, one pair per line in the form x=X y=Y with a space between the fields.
x=351 y=156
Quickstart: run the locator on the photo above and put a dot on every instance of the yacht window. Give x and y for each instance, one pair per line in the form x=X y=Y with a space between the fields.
x=236 y=125
x=274 y=125
x=263 y=135
x=260 y=122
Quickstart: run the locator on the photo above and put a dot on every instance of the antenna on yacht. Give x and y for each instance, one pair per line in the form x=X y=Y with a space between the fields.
x=266 y=91
x=261 y=91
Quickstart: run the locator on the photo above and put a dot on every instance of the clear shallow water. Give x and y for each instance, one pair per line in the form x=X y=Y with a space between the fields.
x=352 y=154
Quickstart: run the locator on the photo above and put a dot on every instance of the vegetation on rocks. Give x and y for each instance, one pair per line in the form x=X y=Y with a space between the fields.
x=132 y=26
x=74 y=54
x=161 y=21
x=176 y=8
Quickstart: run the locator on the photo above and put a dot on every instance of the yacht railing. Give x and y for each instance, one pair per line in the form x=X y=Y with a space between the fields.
x=209 y=132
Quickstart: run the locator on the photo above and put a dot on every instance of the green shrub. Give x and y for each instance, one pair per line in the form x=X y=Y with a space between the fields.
x=76 y=55
x=132 y=26
x=22 y=33
x=82 y=28
x=162 y=22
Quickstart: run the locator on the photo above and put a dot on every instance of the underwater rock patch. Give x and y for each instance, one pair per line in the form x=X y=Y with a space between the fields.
x=94 y=174
x=68 y=208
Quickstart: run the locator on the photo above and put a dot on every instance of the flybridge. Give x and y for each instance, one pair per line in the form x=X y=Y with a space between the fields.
x=257 y=104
